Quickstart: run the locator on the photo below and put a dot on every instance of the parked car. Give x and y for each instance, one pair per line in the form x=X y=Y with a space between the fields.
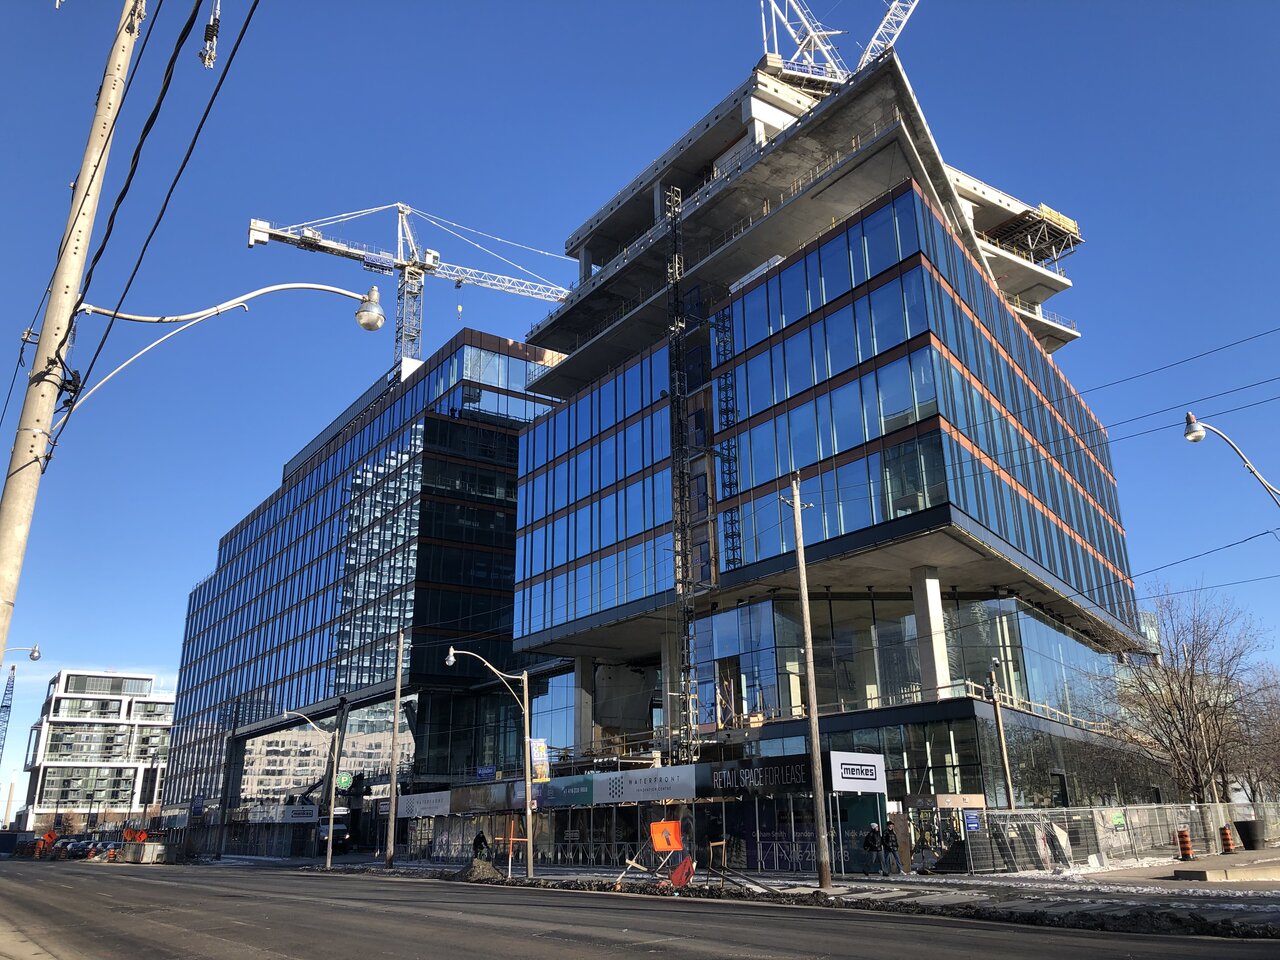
x=75 y=850
x=59 y=849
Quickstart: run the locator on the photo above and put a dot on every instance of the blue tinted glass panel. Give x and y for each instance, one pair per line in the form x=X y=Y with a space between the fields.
x=870 y=405
x=913 y=291
x=795 y=295
x=846 y=412
x=904 y=208
x=804 y=436
x=862 y=324
x=764 y=465
x=882 y=243
x=896 y=405
x=759 y=384
x=837 y=279
x=857 y=254
x=887 y=316
x=842 y=349
x=799 y=363
x=851 y=486
x=922 y=381
x=755 y=306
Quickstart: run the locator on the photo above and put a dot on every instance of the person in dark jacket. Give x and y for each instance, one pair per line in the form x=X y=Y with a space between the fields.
x=479 y=845
x=873 y=847
x=891 y=856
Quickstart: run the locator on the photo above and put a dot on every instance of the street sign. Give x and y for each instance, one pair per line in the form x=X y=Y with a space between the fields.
x=345 y=780
x=384 y=808
x=972 y=822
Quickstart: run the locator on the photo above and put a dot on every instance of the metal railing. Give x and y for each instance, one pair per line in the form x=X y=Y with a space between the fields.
x=1022 y=253
x=1038 y=310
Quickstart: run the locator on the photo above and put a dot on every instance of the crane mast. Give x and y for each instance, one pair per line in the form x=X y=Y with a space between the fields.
x=410 y=263
x=6 y=706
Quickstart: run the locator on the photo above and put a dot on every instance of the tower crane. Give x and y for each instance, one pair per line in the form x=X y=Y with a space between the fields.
x=895 y=19
x=6 y=706
x=411 y=263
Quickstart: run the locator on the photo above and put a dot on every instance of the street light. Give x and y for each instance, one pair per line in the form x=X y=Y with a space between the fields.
x=33 y=655
x=333 y=781
x=449 y=661
x=34 y=436
x=1195 y=432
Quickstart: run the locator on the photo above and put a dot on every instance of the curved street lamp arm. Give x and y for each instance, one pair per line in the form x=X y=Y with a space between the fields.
x=145 y=350
x=504 y=677
x=223 y=307
x=303 y=716
x=1248 y=465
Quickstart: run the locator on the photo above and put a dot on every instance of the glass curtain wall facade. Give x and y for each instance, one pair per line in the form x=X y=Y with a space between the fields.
x=882 y=356
x=749 y=660
x=595 y=499
x=400 y=515
x=881 y=362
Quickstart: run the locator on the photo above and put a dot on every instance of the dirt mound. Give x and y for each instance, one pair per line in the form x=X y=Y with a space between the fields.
x=478 y=871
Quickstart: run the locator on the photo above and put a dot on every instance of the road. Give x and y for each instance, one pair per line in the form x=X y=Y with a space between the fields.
x=88 y=911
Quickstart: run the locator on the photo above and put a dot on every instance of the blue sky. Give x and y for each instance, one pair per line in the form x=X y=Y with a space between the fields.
x=521 y=119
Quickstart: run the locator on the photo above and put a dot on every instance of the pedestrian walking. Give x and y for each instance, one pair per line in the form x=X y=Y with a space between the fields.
x=479 y=846
x=891 y=856
x=873 y=847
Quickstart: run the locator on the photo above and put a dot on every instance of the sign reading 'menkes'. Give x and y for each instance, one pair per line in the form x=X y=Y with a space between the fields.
x=857 y=773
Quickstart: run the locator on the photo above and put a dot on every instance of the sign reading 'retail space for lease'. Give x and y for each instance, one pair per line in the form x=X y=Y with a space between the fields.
x=857 y=773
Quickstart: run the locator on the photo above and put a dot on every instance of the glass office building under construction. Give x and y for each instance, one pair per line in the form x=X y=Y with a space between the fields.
x=851 y=309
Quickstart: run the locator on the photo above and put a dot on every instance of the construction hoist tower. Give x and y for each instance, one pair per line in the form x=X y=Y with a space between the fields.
x=681 y=697
x=411 y=264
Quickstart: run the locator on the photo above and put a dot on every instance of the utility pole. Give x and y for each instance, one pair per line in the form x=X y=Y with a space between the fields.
x=31 y=446
x=811 y=689
x=994 y=677
x=395 y=759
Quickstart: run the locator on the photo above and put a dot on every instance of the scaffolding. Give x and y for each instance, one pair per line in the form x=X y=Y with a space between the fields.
x=1041 y=234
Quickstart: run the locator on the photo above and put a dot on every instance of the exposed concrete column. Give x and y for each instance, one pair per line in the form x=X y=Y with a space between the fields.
x=584 y=701
x=584 y=264
x=659 y=201
x=931 y=636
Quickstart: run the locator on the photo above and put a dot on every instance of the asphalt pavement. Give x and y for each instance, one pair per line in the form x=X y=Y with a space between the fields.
x=88 y=911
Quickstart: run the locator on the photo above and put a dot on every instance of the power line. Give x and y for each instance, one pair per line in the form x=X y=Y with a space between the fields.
x=134 y=160
x=124 y=96
x=164 y=206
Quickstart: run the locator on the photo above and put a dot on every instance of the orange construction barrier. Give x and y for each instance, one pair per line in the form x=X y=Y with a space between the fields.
x=1228 y=842
x=1184 y=845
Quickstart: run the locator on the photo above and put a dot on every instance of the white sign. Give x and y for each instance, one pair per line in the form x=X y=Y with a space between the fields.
x=280 y=813
x=857 y=773
x=652 y=783
x=423 y=805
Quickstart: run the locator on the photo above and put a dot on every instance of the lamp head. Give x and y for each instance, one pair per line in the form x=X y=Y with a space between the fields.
x=35 y=652
x=370 y=314
x=1194 y=431
x=450 y=660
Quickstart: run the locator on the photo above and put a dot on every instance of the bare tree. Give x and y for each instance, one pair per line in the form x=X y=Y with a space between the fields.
x=1255 y=750
x=1187 y=703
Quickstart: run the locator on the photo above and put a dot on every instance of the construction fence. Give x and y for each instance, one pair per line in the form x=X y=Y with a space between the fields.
x=1005 y=841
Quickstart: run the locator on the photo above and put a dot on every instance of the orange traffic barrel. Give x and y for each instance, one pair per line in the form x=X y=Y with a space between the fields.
x=1184 y=845
x=1228 y=843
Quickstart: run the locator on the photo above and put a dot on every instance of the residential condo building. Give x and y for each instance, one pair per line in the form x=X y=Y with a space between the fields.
x=98 y=753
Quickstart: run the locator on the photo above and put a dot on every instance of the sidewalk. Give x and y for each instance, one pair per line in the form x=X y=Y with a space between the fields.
x=1141 y=897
